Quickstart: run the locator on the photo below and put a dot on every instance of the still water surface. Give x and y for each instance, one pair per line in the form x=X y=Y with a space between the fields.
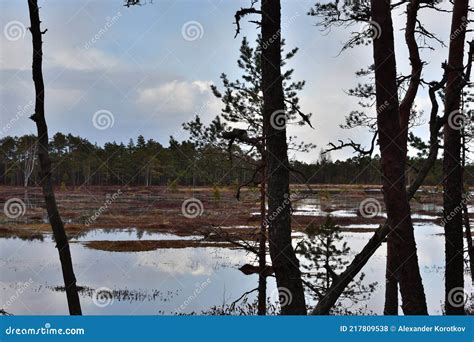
x=167 y=281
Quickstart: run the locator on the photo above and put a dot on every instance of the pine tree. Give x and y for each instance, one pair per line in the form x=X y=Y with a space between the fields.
x=325 y=254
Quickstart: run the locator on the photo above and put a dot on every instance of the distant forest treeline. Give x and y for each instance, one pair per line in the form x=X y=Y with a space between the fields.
x=76 y=161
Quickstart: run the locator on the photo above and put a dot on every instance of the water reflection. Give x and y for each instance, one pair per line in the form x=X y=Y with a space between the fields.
x=144 y=283
x=165 y=281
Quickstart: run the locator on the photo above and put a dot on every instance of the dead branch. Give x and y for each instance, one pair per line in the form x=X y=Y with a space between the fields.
x=232 y=305
x=356 y=147
x=239 y=243
x=244 y=12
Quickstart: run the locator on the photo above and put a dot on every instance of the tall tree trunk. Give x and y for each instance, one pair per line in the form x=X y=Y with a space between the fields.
x=401 y=240
x=45 y=164
x=391 y=289
x=262 y=250
x=359 y=261
x=452 y=182
x=284 y=260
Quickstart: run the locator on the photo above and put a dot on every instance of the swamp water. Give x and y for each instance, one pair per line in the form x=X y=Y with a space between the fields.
x=176 y=280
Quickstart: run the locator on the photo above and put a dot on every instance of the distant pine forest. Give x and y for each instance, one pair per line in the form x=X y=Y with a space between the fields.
x=78 y=162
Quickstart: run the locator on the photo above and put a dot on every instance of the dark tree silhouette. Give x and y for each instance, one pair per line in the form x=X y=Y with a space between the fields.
x=436 y=123
x=284 y=260
x=405 y=108
x=38 y=117
x=77 y=162
x=467 y=136
x=243 y=104
x=326 y=253
x=401 y=243
x=332 y=15
x=453 y=174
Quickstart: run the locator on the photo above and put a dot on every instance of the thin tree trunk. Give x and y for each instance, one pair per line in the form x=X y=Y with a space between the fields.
x=391 y=290
x=262 y=257
x=284 y=260
x=416 y=68
x=452 y=182
x=45 y=164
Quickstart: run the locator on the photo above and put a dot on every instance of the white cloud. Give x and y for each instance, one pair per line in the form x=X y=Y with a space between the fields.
x=63 y=99
x=15 y=55
x=180 y=97
x=84 y=60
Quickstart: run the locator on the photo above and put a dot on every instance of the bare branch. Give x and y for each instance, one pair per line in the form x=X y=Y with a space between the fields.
x=244 y=12
x=356 y=147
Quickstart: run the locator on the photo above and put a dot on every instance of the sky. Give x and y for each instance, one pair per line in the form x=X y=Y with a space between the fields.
x=113 y=73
